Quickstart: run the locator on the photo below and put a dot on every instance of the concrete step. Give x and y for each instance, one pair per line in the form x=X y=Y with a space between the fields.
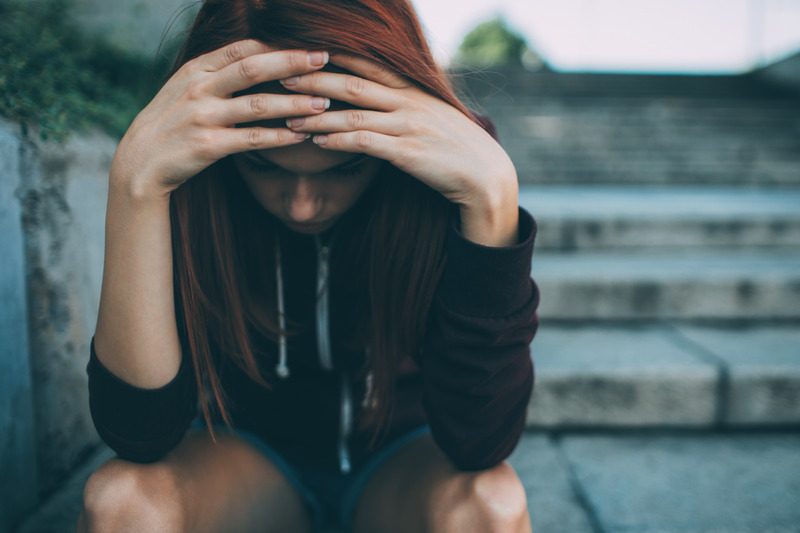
x=661 y=482
x=507 y=83
x=651 y=140
x=598 y=217
x=585 y=482
x=665 y=375
x=728 y=285
x=654 y=176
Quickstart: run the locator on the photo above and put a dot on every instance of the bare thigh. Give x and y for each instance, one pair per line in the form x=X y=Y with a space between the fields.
x=209 y=487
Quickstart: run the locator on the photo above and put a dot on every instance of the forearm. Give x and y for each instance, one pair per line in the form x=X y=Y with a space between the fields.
x=136 y=336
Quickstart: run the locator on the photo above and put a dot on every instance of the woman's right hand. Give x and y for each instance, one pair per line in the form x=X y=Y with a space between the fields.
x=191 y=122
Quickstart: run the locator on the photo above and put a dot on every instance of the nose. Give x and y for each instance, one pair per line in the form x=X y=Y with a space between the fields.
x=303 y=202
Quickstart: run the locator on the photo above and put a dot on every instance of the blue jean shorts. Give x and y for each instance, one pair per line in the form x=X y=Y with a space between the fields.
x=331 y=498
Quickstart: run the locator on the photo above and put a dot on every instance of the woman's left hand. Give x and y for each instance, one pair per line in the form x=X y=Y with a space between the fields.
x=416 y=132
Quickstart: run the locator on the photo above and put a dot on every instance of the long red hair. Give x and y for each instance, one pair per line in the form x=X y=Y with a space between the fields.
x=222 y=243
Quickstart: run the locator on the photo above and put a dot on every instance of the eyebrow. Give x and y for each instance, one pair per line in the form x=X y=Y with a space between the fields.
x=350 y=163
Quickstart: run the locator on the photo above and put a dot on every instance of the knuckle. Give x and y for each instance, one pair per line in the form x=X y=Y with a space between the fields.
x=283 y=136
x=311 y=81
x=259 y=105
x=408 y=125
x=247 y=69
x=190 y=68
x=355 y=118
x=195 y=90
x=297 y=59
x=354 y=85
x=204 y=143
x=234 y=52
x=255 y=137
x=201 y=116
x=363 y=139
x=300 y=104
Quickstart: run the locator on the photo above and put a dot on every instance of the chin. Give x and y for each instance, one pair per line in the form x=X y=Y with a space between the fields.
x=308 y=228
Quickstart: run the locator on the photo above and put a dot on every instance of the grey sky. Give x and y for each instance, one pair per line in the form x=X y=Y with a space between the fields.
x=648 y=35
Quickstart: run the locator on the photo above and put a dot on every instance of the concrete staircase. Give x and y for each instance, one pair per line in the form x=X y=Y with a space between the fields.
x=668 y=251
x=668 y=257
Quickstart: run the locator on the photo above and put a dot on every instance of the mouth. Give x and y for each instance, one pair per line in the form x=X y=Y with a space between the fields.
x=308 y=226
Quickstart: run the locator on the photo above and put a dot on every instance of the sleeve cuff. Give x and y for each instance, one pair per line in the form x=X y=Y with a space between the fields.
x=139 y=414
x=488 y=281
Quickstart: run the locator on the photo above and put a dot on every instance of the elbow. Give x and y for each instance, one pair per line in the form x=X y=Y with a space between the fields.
x=474 y=445
x=145 y=452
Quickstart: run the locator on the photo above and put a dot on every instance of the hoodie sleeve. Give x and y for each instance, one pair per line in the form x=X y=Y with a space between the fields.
x=475 y=360
x=142 y=425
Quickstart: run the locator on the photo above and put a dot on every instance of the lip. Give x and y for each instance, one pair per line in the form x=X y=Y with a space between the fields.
x=304 y=225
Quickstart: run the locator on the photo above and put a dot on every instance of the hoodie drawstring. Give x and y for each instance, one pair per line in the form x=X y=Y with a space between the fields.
x=282 y=368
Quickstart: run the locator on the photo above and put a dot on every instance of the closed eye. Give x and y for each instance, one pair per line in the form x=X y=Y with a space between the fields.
x=350 y=168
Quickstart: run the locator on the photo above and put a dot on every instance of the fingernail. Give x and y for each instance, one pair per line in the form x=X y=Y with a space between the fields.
x=320 y=103
x=290 y=81
x=320 y=139
x=294 y=122
x=302 y=136
x=318 y=58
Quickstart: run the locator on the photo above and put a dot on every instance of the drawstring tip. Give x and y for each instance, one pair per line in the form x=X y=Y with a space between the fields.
x=282 y=371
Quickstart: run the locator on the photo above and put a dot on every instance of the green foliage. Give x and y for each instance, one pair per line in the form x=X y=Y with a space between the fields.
x=57 y=79
x=492 y=43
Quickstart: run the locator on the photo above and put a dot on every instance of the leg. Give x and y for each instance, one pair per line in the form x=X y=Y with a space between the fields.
x=200 y=486
x=419 y=489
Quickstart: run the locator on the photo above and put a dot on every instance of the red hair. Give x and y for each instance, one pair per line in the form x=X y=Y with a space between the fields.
x=222 y=240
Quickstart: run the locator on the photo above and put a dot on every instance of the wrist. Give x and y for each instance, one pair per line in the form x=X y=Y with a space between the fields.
x=491 y=217
x=136 y=189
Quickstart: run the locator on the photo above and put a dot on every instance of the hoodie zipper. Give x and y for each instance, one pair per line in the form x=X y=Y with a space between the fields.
x=325 y=359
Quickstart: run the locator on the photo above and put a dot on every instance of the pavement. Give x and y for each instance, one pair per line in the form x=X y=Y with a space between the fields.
x=613 y=482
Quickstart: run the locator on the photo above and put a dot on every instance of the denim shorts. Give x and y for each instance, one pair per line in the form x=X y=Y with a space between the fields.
x=331 y=498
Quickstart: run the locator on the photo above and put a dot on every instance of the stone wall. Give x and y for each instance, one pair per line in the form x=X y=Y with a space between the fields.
x=58 y=205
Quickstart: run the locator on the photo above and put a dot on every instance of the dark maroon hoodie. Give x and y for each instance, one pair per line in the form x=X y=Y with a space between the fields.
x=471 y=381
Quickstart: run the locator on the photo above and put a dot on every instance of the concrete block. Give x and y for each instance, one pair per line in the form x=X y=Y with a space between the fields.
x=63 y=199
x=18 y=468
x=763 y=368
x=689 y=484
x=596 y=217
x=553 y=505
x=617 y=377
x=60 y=512
x=657 y=284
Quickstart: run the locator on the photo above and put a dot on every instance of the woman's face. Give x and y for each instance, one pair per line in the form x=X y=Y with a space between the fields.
x=305 y=186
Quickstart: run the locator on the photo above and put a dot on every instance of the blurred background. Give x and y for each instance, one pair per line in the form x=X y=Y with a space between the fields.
x=657 y=145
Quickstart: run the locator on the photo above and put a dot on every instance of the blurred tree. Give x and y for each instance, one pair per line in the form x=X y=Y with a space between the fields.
x=494 y=43
x=64 y=80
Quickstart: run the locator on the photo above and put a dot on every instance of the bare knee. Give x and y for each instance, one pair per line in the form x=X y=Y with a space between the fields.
x=125 y=496
x=489 y=500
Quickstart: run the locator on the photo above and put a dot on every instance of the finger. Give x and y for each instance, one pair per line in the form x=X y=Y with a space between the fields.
x=262 y=106
x=347 y=88
x=351 y=120
x=235 y=140
x=362 y=141
x=261 y=68
x=369 y=69
x=231 y=53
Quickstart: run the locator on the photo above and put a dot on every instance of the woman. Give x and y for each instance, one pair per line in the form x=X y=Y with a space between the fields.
x=348 y=300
